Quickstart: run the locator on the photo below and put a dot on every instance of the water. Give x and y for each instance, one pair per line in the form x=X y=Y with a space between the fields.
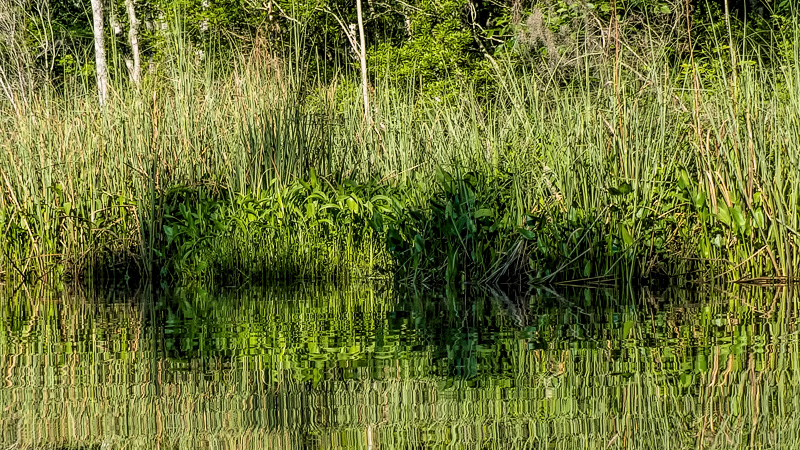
x=367 y=367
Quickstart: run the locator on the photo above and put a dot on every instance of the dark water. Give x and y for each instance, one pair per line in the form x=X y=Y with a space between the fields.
x=367 y=367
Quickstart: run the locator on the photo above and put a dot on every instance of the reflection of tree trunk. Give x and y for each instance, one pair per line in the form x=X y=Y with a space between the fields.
x=100 y=51
x=370 y=444
x=362 y=55
x=135 y=68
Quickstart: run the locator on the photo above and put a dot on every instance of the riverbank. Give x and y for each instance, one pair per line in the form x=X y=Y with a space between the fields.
x=242 y=174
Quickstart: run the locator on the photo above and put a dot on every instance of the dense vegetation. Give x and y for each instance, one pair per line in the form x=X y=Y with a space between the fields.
x=503 y=142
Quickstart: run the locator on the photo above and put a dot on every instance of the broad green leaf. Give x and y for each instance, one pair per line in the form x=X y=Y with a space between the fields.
x=381 y=198
x=452 y=266
x=377 y=221
x=758 y=218
x=312 y=176
x=627 y=239
x=318 y=195
x=722 y=214
x=352 y=205
x=622 y=189
x=444 y=179
x=485 y=212
x=699 y=200
x=333 y=206
x=683 y=179
x=169 y=232
x=419 y=243
x=739 y=218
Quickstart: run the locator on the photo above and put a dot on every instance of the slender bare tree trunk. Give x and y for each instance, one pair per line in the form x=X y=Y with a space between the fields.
x=362 y=55
x=113 y=21
x=100 y=51
x=204 y=22
x=133 y=35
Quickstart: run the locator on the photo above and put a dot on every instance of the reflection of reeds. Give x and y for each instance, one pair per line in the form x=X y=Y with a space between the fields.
x=289 y=368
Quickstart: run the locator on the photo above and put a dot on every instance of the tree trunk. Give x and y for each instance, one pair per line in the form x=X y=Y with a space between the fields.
x=133 y=35
x=362 y=55
x=100 y=51
x=204 y=22
x=116 y=27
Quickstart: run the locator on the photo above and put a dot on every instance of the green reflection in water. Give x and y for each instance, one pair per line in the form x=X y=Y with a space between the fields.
x=368 y=367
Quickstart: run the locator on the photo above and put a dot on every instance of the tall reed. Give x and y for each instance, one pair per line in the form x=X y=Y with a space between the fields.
x=655 y=169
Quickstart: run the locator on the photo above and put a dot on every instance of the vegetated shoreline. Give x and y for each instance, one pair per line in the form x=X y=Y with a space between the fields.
x=457 y=230
x=235 y=176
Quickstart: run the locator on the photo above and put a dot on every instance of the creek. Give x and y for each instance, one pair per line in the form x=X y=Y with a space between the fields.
x=370 y=366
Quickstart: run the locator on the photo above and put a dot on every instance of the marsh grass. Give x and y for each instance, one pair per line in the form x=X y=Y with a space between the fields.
x=653 y=171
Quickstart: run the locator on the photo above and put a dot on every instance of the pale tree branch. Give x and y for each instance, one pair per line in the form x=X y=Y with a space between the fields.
x=133 y=36
x=100 y=51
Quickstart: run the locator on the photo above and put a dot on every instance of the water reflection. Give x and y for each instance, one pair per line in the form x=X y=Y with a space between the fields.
x=370 y=367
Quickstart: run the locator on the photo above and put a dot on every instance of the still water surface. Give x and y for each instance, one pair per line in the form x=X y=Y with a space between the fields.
x=368 y=367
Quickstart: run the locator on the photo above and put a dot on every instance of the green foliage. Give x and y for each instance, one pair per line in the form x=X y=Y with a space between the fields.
x=436 y=50
x=207 y=173
x=437 y=45
x=308 y=229
x=464 y=233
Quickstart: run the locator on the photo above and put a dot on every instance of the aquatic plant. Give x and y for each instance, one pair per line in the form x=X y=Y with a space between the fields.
x=656 y=172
